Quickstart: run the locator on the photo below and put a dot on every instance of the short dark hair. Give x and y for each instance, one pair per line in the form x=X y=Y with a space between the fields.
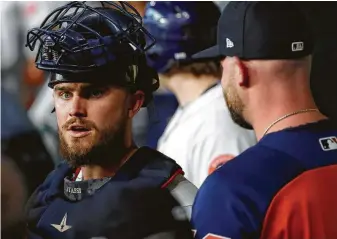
x=210 y=68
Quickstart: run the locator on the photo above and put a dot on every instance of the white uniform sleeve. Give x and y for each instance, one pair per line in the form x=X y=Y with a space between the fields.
x=213 y=150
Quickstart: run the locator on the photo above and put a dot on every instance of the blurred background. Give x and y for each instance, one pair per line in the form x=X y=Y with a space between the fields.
x=28 y=128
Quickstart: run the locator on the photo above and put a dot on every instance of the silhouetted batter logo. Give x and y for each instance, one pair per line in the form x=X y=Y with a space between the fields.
x=329 y=143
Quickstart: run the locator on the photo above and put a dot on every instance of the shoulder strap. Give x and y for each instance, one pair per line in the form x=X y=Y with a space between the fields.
x=150 y=163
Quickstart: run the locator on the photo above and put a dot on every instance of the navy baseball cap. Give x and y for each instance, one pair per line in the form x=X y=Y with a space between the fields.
x=261 y=30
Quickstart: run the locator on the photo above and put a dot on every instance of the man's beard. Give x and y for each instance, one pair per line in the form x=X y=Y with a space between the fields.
x=106 y=151
x=235 y=106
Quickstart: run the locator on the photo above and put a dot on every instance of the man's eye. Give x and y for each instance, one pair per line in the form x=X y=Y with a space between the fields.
x=65 y=95
x=96 y=93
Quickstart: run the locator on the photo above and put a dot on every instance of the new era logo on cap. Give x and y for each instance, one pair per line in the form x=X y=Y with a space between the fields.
x=297 y=46
x=254 y=31
x=229 y=43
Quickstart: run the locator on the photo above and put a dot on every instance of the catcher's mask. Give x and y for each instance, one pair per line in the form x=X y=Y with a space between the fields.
x=80 y=43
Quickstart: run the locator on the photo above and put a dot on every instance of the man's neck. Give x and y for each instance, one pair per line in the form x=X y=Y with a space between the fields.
x=279 y=88
x=288 y=122
x=187 y=88
x=99 y=172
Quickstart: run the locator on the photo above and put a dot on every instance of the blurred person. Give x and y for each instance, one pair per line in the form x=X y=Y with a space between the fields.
x=201 y=135
x=22 y=143
x=11 y=48
x=19 y=75
x=20 y=78
x=13 y=198
x=100 y=80
x=284 y=186
x=165 y=104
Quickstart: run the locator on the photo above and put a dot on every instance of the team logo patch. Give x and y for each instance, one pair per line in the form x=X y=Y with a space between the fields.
x=329 y=143
x=219 y=161
x=62 y=227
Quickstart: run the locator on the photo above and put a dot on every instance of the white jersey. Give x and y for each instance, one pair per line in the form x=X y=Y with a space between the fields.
x=202 y=136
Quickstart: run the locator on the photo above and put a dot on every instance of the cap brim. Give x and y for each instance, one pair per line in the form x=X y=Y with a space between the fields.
x=212 y=52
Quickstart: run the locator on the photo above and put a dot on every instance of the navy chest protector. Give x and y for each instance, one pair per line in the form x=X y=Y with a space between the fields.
x=108 y=208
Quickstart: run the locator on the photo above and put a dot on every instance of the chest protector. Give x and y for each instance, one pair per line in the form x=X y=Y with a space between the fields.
x=104 y=208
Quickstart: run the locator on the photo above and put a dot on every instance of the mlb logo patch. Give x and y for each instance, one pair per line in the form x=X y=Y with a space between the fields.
x=329 y=143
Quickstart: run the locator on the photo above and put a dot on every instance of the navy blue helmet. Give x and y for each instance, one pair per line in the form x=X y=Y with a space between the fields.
x=181 y=29
x=78 y=42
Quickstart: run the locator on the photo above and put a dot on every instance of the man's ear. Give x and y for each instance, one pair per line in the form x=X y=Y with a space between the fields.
x=241 y=72
x=136 y=102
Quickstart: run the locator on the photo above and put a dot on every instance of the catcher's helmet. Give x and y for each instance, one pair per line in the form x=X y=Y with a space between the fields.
x=181 y=29
x=81 y=43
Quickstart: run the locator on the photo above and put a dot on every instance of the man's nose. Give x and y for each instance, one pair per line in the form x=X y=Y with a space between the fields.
x=78 y=107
